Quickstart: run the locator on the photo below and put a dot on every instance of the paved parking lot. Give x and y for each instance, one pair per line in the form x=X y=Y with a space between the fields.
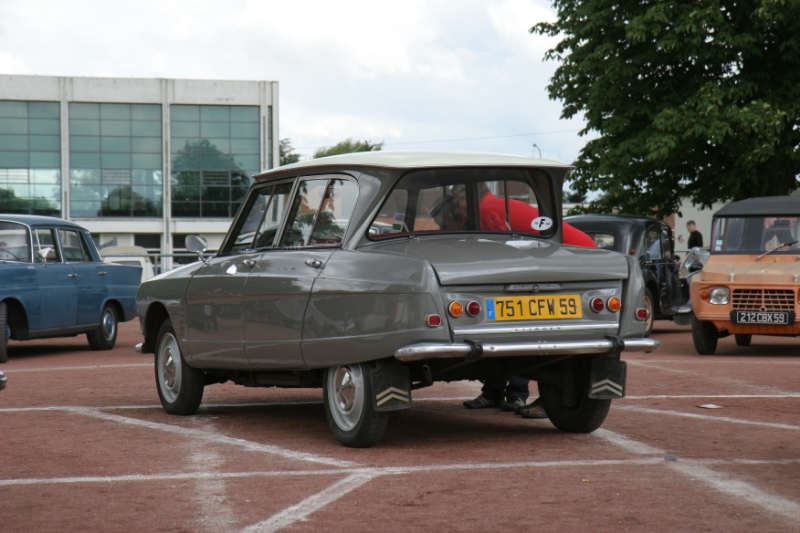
x=700 y=444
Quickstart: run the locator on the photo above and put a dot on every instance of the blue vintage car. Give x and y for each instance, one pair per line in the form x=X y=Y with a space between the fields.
x=56 y=285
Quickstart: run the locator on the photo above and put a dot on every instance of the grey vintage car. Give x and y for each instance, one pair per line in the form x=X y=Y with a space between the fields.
x=371 y=275
x=56 y=285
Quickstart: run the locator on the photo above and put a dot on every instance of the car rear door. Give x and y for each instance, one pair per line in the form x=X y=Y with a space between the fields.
x=90 y=276
x=56 y=287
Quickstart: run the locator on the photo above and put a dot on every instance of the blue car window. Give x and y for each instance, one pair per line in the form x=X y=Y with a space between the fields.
x=73 y=247
x=46 y=239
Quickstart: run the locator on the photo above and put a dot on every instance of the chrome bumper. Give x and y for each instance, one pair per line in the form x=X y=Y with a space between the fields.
x=433 y=350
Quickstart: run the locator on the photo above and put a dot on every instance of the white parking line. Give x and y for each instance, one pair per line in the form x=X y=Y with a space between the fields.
x=708 y=417
x=310 y=505
x=748 y=493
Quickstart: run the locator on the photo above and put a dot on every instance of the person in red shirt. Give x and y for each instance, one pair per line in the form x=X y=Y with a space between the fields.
x=510 y=394
x=522 y=216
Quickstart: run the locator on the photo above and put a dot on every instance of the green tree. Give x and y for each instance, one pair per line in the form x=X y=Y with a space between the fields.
x=348 y=146
x=287 y=155
x=687 y=99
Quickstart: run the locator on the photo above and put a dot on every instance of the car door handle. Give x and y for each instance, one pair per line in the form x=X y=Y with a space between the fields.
x=73 y=275
x=249 y=263
x=101 y=273
x=314 y=263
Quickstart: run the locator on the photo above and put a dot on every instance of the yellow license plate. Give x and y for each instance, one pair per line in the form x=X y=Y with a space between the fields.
x=533 y=307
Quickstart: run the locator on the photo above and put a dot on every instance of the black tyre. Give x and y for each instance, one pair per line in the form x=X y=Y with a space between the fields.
x=567 y=403
x=180 y=387
x=4 y=332
x=743 y=339
x=651 y=312
x=105 y=336
x=705 y=336
x=348 y=406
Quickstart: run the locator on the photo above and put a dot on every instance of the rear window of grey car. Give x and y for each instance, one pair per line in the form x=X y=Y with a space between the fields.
x=471 y=200
x=314 y=212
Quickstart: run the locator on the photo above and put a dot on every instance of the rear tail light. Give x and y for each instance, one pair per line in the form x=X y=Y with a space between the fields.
x=473 y=308
x=597 y=305
x=433 y=321
x=642 y=314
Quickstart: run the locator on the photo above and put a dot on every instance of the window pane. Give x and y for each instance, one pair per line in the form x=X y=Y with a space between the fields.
x=14 y=143
x=211 y=113
x=84 y=127
x=13 y=109
x=242 y=130
x=13 y=159
x=146 y=145
x=84 y=111
x=115 y=144
x=146 y=112
x=85 y=160
x=82 y=143
x=245 y=146
x=215 y=129
x=44 y=126
x=115 y=111
x=16 y=126
x=115 y=127
x=146 y=129
x=146 y=161
x=45 y=160
x=185 y=129
x=244 y=114
x=42 y=143
x=43 y=110
x=185 y=112
x=115 y=160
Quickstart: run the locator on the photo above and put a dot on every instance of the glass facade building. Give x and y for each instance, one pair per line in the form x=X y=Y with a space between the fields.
x=136 y=161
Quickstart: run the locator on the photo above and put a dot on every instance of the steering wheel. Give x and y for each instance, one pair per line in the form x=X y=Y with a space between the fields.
x=14 y=257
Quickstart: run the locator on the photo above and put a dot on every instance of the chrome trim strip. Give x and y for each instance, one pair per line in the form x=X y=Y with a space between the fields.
x=609 y=328
x=432 y=350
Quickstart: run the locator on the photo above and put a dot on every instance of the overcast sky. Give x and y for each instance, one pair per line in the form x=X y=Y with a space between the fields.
x=414 y=74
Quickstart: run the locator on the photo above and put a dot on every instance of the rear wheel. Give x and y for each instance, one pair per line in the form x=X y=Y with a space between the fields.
x=705 y=336
x=743 y=339
x=348 y=406
x=180 y=387
x=4 y=332
x=105 y=336
x=567 y=402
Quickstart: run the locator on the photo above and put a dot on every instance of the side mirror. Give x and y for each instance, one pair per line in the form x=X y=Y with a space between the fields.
x=198 y=245
x=694 y=266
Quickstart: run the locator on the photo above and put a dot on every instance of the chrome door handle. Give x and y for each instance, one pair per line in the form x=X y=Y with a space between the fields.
x=101 y=273
x=314 y=263
x=249 y=263
x=73 y=275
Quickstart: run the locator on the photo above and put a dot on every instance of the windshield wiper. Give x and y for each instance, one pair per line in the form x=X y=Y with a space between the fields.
x=790 y=243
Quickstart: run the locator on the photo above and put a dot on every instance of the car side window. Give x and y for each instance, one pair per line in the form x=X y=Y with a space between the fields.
x=320 y=213
x=73 y=247
x=15 y=244
x=46 y=239
x=264 y=212
x=653 y=244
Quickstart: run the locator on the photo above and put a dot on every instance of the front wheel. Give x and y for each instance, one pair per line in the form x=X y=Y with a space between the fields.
x=567 y=401
x=743 y=339
x=180 y=387
x=348 y=406
x=704 y=336
x=105 y=336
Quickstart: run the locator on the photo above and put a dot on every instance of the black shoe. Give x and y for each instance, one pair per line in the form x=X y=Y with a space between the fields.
x=481 y=402
x=512 y=405
x=532 y=410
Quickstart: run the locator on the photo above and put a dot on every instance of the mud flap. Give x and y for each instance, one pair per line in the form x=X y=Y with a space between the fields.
x=608 y=379
x=391 y=386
